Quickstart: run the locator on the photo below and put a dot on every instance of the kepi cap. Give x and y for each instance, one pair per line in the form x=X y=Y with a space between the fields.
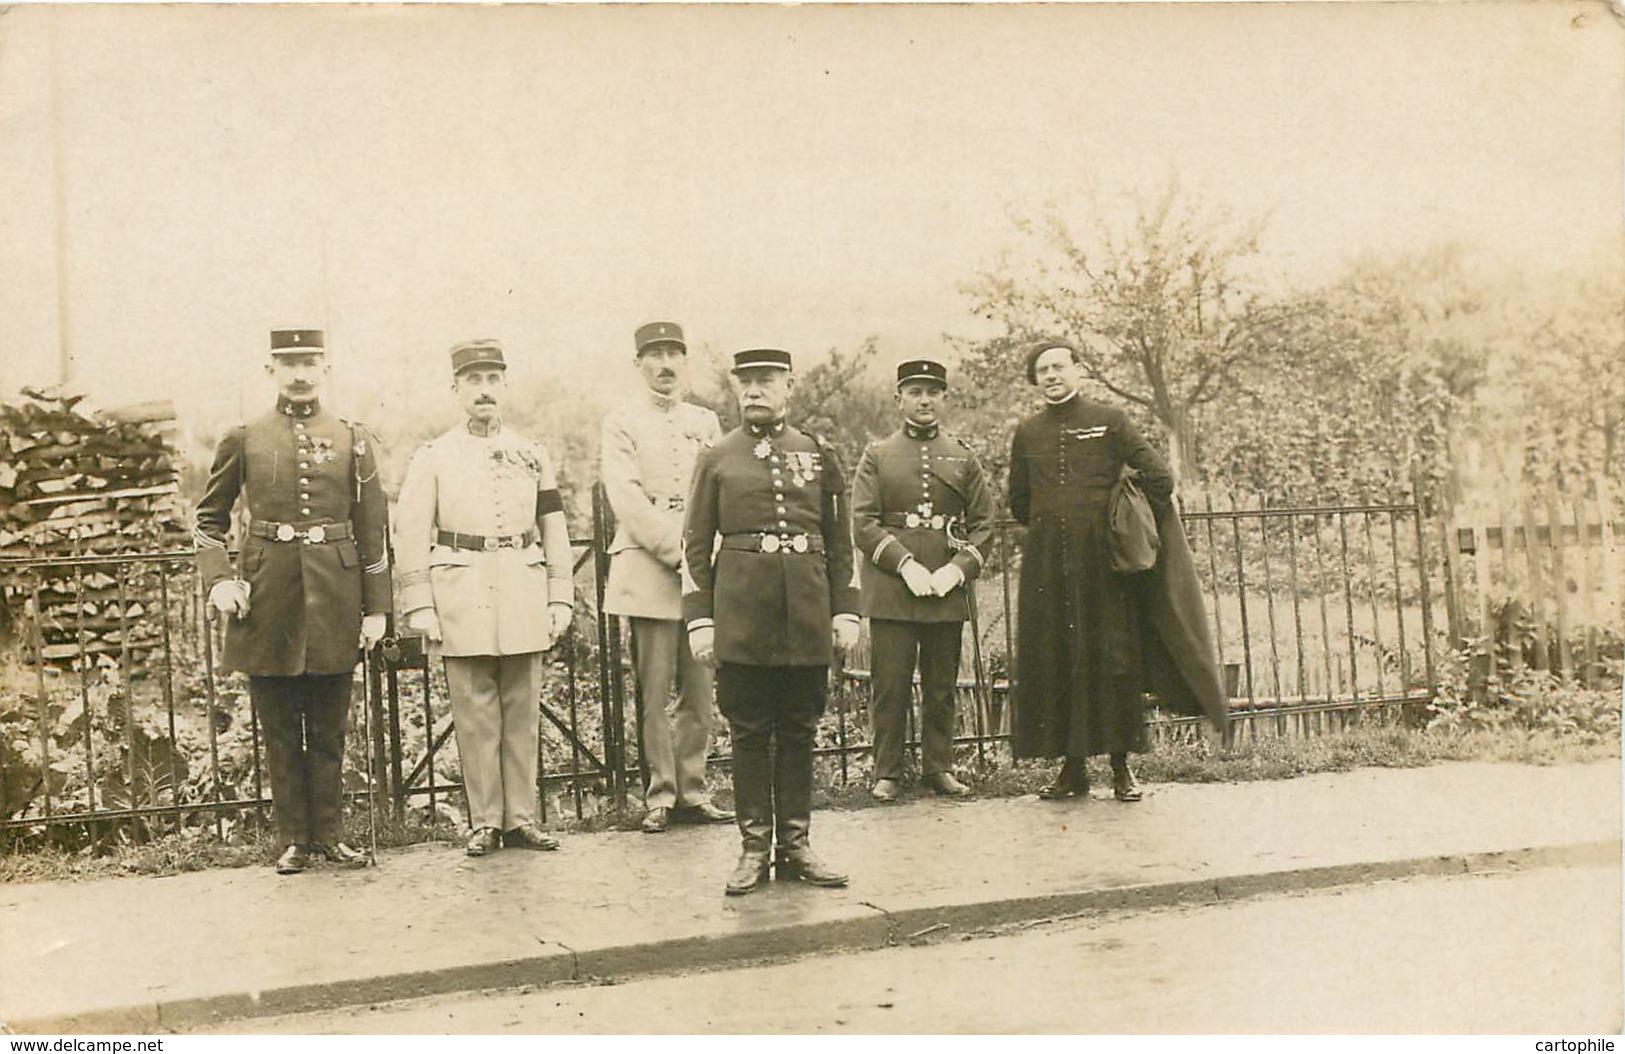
x=486 y=352
x=651 y=333
x=922 y=370
x=772 y=358
x=297 y=341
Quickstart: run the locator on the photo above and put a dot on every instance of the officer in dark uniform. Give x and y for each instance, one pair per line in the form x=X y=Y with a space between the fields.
x=767 y=557
x=313 y=559
x=923 y=517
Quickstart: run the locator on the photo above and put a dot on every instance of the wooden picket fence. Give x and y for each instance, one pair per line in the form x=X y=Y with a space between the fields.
x=1537 y=576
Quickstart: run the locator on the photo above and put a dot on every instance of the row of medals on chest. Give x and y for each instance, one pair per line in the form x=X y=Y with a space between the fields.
x=923 y=514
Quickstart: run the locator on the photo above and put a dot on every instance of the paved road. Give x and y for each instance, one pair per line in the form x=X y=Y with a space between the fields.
x=1497 y=953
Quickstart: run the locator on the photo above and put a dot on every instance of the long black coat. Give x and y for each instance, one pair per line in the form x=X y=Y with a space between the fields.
x=1080 y=655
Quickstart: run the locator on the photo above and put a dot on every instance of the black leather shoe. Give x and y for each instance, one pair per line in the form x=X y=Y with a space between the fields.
x=1124 y=788
x=944 y=784
x=656 y=820
x=529 y=836
x=339 y=855
x=484 y=840
x=748 y=874
x=1071 y=782
x=802 y=865
x=703 y=812
x=293 y=860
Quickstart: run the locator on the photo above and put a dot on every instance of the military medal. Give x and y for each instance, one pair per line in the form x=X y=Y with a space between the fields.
x=762 y=448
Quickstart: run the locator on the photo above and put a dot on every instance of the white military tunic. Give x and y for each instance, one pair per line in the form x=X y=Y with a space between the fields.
x=648 y=451
x=491 y=602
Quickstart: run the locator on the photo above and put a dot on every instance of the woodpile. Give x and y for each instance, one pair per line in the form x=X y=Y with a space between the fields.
x=74 y=484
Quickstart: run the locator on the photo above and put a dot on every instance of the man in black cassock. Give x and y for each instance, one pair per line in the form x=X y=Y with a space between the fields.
x=1081 y=654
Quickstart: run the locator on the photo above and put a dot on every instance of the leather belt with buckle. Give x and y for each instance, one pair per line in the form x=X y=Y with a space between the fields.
x=914 y=520
x=485 y=543
x=315 y=534
x=773 y=542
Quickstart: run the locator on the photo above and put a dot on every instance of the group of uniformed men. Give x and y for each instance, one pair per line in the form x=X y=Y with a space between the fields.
x=732 y=553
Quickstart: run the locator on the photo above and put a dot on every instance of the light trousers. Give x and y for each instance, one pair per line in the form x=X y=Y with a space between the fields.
x=496 y=705
x=674 y=747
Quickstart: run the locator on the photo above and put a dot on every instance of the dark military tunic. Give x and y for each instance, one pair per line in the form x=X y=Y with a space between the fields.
x=773 y=502
x=298 y=467
x=1078 y=653
x=906 y=488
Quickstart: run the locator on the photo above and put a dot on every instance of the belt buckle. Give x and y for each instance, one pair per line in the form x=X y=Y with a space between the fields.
x=316 y=535
x=490 y=544
x=936 y=523
x=771 y=543
x=286 y=533
x=911 y=520
x=799 y=543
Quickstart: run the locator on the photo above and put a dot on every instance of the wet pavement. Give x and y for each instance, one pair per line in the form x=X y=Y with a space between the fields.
x=150 y=954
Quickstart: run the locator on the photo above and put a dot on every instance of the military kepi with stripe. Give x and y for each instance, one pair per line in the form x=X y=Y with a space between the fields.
x=922 y=370
x=297 y=341
x=772 y=358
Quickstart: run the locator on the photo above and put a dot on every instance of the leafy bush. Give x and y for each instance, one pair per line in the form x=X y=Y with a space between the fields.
x=1522 y=698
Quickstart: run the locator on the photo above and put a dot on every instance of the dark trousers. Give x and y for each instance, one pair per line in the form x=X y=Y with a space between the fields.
x=303 y=720
x=895 y=647
x=772 y=714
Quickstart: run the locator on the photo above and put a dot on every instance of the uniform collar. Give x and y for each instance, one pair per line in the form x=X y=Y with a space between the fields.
x=914 y=431
x=288 y=408
x=1061 y=402
x=663 y=403
x=774 y=429
x=485 y=429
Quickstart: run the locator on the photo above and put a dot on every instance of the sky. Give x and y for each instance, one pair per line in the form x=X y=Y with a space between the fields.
x=805 y=177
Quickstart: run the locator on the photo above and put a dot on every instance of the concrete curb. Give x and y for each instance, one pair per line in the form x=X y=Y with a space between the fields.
x=879 y=930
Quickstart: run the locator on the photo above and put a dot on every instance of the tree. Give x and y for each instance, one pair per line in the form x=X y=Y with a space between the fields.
x=1374 y=382
x=1566 y=367
x=1164 y=315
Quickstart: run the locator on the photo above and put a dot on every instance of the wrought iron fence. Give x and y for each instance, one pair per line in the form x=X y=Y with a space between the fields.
x=1321 y=615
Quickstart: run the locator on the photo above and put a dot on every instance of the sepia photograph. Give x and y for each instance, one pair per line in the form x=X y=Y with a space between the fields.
x=1036 y=519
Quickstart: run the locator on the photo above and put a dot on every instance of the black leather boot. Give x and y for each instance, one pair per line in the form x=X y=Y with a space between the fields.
x=753 y=808
x=1124 y=788
x=794 y=859
x=1071 y=782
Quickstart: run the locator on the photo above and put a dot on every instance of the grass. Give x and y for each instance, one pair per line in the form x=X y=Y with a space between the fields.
x=1264 y=758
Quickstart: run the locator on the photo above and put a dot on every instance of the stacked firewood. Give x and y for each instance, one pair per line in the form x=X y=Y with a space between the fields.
x=74 y=484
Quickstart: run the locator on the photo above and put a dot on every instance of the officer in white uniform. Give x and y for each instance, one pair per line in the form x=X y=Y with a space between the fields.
x=649 y=447
x=484 y=560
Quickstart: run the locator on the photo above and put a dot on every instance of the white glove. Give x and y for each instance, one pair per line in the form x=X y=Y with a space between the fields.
x=372 y=630
x=559 y=617
x=424 y=622
x=946 y=579
x=916 y=577
x=845 y=628
x=702 y=642
x=229 y=596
